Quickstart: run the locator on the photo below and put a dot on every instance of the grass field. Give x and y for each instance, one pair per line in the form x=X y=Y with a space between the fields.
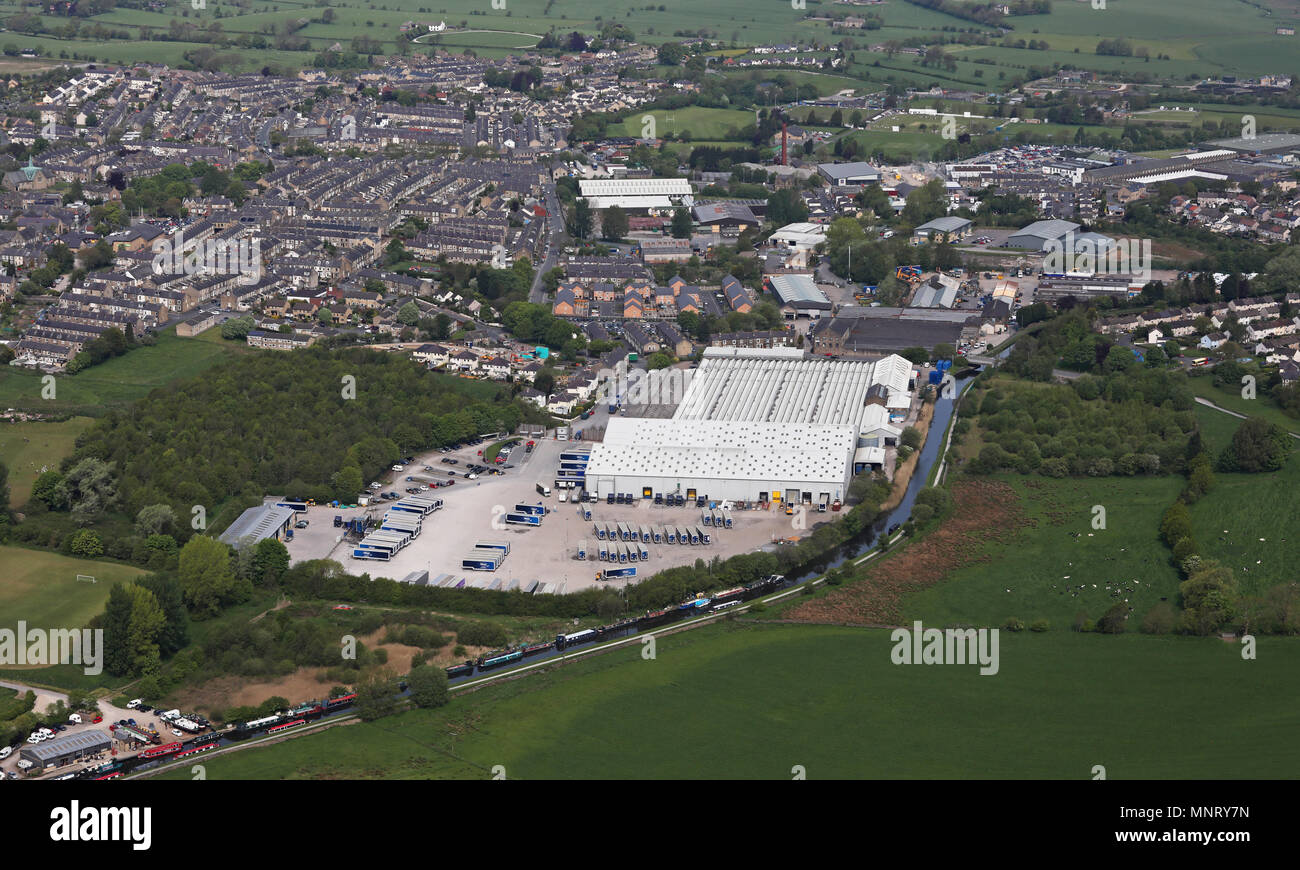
x=1056 y=540
x=42 y=588
x=118 y=381
x=1260 y=406
x=1187 y=40
x=26 y=448
x=700 y=122
x=754 y=701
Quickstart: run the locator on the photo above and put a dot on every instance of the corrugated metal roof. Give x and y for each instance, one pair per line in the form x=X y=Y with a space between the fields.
x=258 y=522
x=82 y=741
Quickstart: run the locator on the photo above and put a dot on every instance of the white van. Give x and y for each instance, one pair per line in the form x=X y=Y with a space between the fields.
x=131 y=705
x=564 y=496
x=75 y=718
x=6 y=751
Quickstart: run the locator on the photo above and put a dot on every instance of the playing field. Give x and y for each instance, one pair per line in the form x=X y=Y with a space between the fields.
x=756 y=701
x=26 y=448
x=42 y=589
x=699 y=122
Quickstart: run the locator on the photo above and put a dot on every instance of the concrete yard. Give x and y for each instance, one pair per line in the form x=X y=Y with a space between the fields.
x=474 y=510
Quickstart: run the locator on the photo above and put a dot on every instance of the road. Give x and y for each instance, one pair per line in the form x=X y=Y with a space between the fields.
x=555 y=241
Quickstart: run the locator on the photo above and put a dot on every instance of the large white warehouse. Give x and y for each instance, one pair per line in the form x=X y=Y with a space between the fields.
x=637 y=193
x=760 y=425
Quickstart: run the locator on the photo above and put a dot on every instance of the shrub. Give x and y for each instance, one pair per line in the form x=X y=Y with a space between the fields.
x=1013 y=624
x=1040 y=625
x=481 y=634
x=1159 y=619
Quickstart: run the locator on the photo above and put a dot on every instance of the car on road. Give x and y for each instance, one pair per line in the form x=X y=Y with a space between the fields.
x=449 y=483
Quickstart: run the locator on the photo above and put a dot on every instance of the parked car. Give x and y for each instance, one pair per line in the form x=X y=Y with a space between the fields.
x=399 y=468
x=178 y=733
x=301 y=524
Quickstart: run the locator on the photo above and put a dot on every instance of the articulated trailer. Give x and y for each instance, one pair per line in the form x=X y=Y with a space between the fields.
x=582 y=551
x=624 y=532
x=614 y=573
x=600 y=531
x=645 y=534
x=694 y=535
x=706 y=517
x=400 y=522
x=523 y=519
x=704 y=535
x=670 y=534
x=603 y=551
x=643 y=553
x=585 y=511
x=538 y=509
x=658 y=534
x=482 y=560
x=726 y=518
x=503 y=546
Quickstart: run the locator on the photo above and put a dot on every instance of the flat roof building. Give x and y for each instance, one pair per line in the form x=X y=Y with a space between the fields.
x=759 y=425
x=845 y=174
x=637 y=193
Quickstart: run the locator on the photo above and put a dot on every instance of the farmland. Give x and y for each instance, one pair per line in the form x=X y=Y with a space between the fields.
x=829 y=699
x=1184 y=41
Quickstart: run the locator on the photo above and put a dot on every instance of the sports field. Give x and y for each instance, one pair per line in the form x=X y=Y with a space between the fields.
x=754 y=701
x=26 y=448
x=698 y=121
x=42 y=589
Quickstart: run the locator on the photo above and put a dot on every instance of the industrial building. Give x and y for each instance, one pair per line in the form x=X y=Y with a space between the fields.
x=257 y=524
x=871 y=332
x=1039 y=235
x=637 y=194
x=798 y=295
x=68 y=749
x=760 y=425
x=849 y=174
